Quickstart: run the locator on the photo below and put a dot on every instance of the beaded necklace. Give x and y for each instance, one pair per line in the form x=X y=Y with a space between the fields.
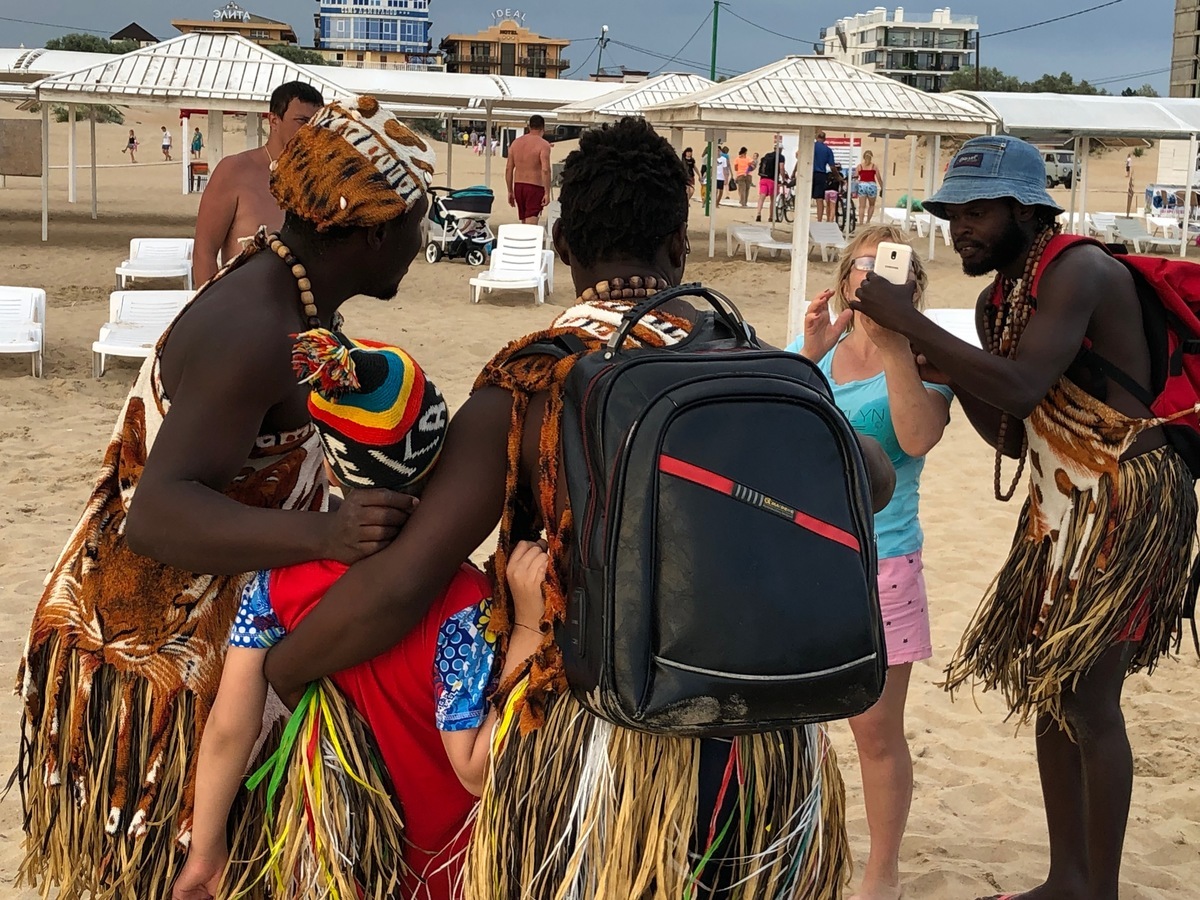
x=635 y=288
x=307 y=302
x=1006 y=326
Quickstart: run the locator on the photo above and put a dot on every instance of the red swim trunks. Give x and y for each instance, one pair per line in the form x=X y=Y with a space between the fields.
x=529 y=199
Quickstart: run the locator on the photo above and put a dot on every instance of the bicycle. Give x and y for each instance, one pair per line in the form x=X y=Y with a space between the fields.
x=785 y=201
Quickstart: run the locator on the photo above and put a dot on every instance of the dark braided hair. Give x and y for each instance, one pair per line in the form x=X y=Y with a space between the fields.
x=624 y=192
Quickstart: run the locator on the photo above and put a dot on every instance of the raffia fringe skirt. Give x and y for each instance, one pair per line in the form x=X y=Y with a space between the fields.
x=1133 y=571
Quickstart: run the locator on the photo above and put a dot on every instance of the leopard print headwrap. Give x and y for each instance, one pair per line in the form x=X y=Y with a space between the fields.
x=352 y=166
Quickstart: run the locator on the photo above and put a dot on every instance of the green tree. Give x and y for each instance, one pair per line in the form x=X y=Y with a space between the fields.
x=89 y=43
x=990 y=79
x=300 y=55
x=1146 y=90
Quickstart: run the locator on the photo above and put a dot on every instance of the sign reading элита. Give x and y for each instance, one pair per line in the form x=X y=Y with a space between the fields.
x=500 y=15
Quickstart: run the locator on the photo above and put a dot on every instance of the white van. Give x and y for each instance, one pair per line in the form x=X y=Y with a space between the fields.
x=1060 y=167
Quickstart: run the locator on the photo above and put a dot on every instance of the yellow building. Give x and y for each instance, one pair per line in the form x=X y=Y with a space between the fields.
x=232 y=19
x=507 y=48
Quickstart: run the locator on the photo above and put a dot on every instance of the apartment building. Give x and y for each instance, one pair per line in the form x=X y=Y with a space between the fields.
x=921 y=51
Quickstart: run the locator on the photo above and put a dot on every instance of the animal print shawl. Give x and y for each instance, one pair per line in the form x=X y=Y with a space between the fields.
x=1101 y=550
x=122 y=667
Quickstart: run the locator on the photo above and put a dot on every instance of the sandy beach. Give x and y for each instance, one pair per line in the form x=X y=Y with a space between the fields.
x=976 y=825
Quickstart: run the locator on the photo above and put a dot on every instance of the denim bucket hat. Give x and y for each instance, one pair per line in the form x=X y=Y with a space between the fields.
x=990 y=168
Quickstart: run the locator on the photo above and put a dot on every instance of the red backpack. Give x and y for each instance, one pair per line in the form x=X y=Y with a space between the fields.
x=1169 y=291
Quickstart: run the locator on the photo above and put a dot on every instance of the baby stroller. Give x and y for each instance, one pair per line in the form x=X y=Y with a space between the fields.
x=457 y=225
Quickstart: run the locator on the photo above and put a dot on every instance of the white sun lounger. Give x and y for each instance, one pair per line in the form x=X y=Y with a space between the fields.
x=1134 y=232
x=157 y=258
x=23 y=323
x=519 y=262
x=137 y=319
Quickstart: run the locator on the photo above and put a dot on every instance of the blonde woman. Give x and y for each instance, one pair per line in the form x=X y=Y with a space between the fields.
x=868 y=185
x=876 y=384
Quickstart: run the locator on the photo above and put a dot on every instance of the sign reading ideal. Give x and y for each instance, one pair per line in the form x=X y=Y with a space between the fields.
x=500 y=15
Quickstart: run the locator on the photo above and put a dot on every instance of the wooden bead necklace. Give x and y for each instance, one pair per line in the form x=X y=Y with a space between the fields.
x=307 y=302
x=1005 y=328
x=636 y=288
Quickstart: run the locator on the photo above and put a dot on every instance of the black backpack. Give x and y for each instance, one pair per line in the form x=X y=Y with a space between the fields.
x=722 y=577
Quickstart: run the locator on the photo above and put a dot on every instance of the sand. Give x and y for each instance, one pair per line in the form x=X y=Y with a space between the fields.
x=976 y=824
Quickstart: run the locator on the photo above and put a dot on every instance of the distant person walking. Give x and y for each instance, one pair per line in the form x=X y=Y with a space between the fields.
x=823 y=163
x=867 y=187
x=131 y=146
x=197 y=143
x=528 y=172
x=768 y=168
x=166 y=144
x=742 y=167
x=722 y=172
x=689 y=163
x=1128 y=165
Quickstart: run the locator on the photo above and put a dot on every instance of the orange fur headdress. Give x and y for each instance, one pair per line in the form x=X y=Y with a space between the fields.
x=352 y=166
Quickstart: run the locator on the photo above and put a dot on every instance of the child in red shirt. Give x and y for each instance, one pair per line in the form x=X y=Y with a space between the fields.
x=382 y=424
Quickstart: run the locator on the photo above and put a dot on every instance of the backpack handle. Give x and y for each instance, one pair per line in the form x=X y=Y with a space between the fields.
x=724 y=307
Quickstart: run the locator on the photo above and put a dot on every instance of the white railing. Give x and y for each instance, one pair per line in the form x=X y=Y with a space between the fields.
x=390 y=66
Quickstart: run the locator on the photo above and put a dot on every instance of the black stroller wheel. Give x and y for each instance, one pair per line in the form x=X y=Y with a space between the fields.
x=476 y=257
x=433 y=252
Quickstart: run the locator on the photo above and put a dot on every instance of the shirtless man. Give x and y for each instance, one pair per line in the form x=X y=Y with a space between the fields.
x=528 y=172
x=237 y=200
x=1095 y=582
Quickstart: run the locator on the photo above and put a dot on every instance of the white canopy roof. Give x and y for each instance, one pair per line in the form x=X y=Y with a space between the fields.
x=224 y=71
x=631 y=99
x=40 y=62
x=461 y=94
x=822 y=92
x=1064 y=117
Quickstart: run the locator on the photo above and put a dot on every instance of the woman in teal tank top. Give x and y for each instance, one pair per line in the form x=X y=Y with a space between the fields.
x=876 y=384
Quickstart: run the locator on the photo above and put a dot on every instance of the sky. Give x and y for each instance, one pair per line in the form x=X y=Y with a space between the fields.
x=1128 y=43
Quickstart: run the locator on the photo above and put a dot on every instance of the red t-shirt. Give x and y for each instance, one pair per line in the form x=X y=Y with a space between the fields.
x=395 y=693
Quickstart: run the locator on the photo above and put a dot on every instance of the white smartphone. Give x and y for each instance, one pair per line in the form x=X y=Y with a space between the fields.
x=893 y=262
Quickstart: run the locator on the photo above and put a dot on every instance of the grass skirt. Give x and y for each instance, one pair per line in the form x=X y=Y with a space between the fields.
x=585 y=810
x=1041 y=626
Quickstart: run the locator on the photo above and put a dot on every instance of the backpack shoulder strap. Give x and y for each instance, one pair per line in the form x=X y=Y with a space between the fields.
x=1058 y=245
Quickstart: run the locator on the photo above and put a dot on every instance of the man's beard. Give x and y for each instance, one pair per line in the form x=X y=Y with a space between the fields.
x=1006 y=250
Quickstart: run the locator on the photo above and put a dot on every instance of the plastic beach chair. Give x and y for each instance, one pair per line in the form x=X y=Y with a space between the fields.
x=519 y=262
x=23 y=323
x=137 y=319
x=157 y=258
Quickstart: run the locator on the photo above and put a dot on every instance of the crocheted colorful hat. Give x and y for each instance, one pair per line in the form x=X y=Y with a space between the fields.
x=381 y=421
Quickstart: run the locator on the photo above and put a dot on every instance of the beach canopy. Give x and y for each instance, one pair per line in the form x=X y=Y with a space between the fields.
x=821 y=92
x=1060 y=118
x=806 y=94
x=632 y=99
x=223 y=71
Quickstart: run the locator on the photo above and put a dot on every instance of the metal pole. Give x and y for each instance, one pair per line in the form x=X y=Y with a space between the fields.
x=798 y=285
x=71 y=153
x=1187 y=197
x=1072 y=227
x=449 y=151
x=712 y=154
x=978 y=42
x=602 y=43
x=45 y=171
x=487 y=149
x=186 y=154
x=912 y=175
x=884 y=172
x=929 y=188
x=92 y=123
x=1083 y=186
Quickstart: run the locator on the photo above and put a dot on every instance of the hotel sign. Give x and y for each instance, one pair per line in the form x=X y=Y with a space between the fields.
x=231 y=13
x=500 y=15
